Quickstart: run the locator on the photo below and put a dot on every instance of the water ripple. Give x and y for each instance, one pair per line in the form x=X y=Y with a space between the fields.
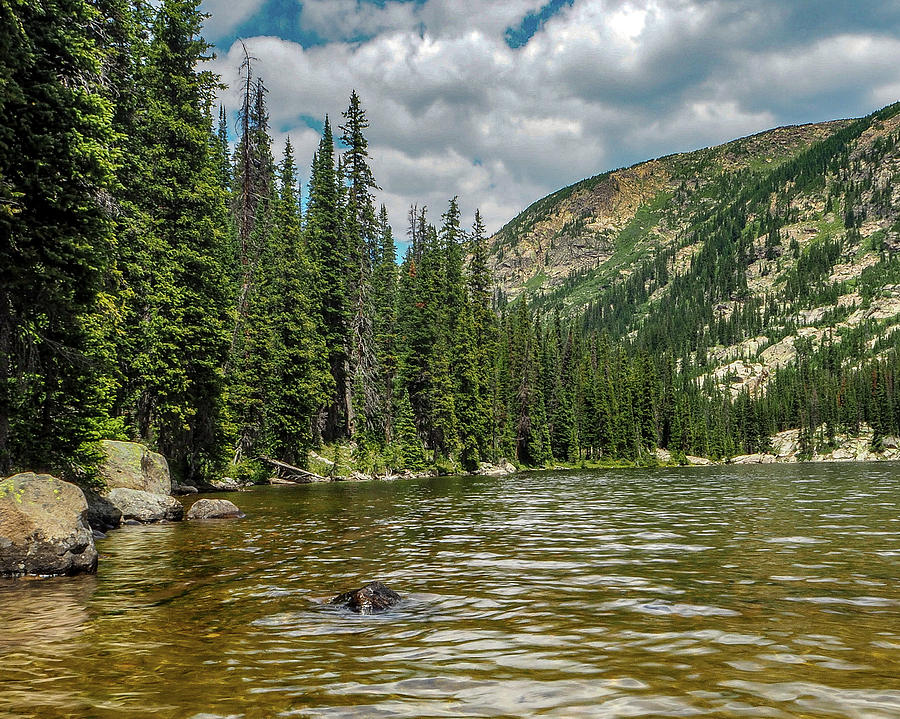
x=717 y=592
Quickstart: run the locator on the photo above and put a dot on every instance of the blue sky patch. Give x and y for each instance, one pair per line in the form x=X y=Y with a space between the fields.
x=517 y=37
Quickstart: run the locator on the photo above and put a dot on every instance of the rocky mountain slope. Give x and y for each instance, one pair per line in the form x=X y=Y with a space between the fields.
x=606 y=222
x=734 y=258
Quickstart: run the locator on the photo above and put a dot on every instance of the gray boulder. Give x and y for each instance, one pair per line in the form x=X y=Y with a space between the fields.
x=757 y=458
x=184 y=489
x=373 y=597
x=226 y=484
x=44 y=528
x=502 y=469
x=102 y=514
x=145 y=507
x=132 y=466
x=214 y=509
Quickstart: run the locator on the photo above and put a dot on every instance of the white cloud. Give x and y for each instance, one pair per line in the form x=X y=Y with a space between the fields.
x=454 y=110
x=831 y=64
x=348 y=19
x=225 y=15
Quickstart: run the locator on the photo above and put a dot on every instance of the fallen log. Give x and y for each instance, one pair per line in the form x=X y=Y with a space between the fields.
x=289 y=471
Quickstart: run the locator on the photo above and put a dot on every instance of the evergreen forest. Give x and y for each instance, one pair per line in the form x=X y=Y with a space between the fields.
x=163 y=284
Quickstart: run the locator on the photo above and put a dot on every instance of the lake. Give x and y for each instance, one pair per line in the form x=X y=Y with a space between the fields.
x=767 y=591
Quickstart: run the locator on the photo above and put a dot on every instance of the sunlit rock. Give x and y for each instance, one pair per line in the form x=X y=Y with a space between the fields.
x=145 y=507
x=214 y=509
x=754 y=459
x=133 y=466
x=501 y=469
x=43 y=527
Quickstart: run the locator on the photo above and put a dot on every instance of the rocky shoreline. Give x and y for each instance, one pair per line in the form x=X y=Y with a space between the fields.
x=786 y=449
x=503 y=468
x=48 y=526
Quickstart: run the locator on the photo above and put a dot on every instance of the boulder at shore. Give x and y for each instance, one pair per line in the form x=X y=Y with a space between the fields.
x=374 y=597
x=214 y=509
x=145 y=507
x=501 y=469
x=43 y=527
x=102 y=514
x=133 y=466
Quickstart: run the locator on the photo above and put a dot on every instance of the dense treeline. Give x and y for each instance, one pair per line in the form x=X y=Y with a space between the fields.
x=159 y=286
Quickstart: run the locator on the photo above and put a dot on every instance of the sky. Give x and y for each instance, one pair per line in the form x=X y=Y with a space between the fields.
x=502 y=102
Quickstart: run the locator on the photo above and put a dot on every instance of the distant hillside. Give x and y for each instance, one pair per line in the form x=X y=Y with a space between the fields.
x=607 y=221
x=730 y=257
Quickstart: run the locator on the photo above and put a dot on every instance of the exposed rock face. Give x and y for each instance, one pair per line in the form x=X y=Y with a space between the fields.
x=145 y=507
x=845 y=448
x=754 y=459
x=102 y=514
x=374 y=597
x=214 y=509
x=501 y=469
x=132 y=466
x=43 y=527
x=581 y=227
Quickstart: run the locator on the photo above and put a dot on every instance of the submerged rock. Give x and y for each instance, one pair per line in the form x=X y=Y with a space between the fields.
x=373 y=597
x=144 y=506
x=133 y=466
x=214 y=509
x=184 y=489
x=44 y=528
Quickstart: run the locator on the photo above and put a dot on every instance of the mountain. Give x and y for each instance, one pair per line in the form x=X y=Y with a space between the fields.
x=611 y=219
x=732 y=258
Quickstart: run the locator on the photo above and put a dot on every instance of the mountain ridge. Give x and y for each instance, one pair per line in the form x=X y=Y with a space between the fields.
x=729 y=257
x=644 y=179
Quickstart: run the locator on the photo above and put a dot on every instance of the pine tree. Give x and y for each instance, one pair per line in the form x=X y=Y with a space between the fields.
x=361 y=233
x=298 y=382
x=453 y=285
x=222 y=151
x=384 y=293
x=484 y=325
x=185 y=336
x=253 y=176
x=252 y=196
x=56 y=165
x=407 y=438
x=327 y=245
